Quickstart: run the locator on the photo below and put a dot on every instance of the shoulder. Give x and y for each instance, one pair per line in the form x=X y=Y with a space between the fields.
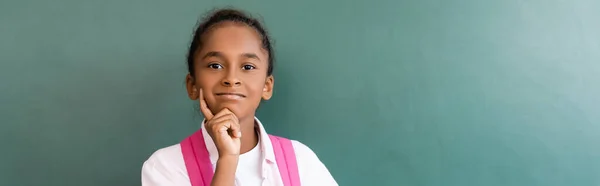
x=311 y=169
x=165 y=166
x=303 y=150
x=167 y=155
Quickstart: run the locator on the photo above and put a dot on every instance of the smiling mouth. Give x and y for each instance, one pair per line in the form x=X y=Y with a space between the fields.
x=231 y=95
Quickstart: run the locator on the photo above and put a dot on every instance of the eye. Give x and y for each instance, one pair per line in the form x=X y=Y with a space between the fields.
x=248 y=67
x=215 y=66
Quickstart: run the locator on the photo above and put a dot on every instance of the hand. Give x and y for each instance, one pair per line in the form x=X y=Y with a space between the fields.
x=223 y=128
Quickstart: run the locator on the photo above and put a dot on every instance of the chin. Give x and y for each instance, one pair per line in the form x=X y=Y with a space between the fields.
x=233 y=107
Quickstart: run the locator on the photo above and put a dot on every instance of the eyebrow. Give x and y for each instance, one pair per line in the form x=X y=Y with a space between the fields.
x=220 y=55
x=212 y=54
x=251 y=56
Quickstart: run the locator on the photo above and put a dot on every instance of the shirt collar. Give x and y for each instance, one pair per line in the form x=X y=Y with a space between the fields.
x=264 y=142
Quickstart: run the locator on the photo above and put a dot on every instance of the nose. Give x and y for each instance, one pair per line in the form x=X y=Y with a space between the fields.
x=231 y=80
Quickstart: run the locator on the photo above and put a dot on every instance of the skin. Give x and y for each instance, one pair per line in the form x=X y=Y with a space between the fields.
x=230 y=80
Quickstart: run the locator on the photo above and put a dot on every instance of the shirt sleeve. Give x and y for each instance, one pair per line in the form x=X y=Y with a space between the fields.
x=311 y=170
x=157 y=171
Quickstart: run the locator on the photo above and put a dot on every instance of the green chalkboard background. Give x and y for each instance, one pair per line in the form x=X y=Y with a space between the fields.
x=397 y=92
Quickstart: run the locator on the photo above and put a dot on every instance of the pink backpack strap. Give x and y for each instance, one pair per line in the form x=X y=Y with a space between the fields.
x=286 y=160
x=200 y=170
x=197 y=159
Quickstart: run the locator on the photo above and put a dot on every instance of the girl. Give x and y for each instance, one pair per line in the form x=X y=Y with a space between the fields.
x=230 y=64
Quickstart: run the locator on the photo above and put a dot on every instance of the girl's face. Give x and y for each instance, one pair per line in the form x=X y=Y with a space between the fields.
x=231 y=69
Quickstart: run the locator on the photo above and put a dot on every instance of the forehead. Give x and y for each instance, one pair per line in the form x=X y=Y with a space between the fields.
x=232 y=39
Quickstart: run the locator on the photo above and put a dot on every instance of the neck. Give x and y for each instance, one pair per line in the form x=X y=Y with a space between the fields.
x=249 y=136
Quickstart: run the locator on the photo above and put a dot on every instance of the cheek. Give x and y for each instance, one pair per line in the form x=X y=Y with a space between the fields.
x=206 y=84
x=256 y=87
x=207 y=80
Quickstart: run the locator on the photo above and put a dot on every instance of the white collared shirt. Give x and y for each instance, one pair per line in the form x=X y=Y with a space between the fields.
x=166 y=166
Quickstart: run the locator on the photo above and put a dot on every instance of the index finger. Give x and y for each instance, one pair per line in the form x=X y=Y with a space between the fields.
x=204 y=108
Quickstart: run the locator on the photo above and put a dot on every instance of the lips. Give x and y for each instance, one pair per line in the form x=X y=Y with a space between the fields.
x=231 y=95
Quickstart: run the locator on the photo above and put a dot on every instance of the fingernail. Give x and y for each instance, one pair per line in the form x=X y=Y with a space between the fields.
x=239 y=134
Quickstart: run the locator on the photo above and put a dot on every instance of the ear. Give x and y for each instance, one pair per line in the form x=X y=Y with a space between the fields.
x=190 y=85
x=268 y=89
